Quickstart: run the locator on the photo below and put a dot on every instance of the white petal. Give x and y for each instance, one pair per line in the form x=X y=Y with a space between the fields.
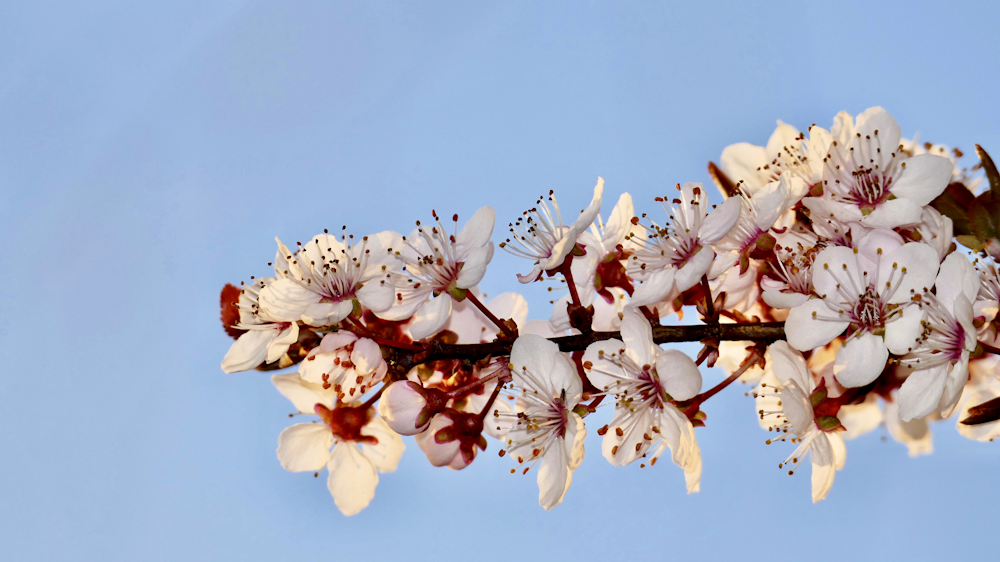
x=600 y=366
x=587 y=217
x=924 y=177
x=789 y=365
x=783 y=299
x=476 y=233
x=804 y=333
x=678 y=374
x=620 y=222
x=740 y=162
x=697 y=265
x=475 y=266
x=859 y=419
x=656 y=288
x=902 y=332
x=921 y=392
x=279 y=345
x=891 y=214
x=386 y=453
x=921 y=264
x=823 y=469
x=861 y=360
x=509 y=305
x=377 y=294
x=554 y=475
x=549 y=371
x=632 y=445
x=720 y=221
x=305 y=447
x=352 y=479
x=956 y=276
x=286 y=300
x=366 y=356
x=430 y=317
x=576 y=435
x=915 y=434
x=638 y=337
x=302 y=394
x=836 y=265
x=877 y=119
x=326 y=313
x=248 y=351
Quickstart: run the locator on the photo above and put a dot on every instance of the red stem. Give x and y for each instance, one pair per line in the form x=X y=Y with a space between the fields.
x=709 y=303
x=567 y=272
x=493 y=397
x=502 y=325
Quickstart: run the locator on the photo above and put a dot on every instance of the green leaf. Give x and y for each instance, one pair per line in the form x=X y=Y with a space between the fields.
x=816 y=397
x=981 y=223
x=827 y=423
x=970 y=242
x=991 y=171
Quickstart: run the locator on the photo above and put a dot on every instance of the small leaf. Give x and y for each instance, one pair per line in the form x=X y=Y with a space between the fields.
x=722 y=180
x=979 y=220
x=984 y=413
x=828 y=423
x=991 y=171
x=970 y=242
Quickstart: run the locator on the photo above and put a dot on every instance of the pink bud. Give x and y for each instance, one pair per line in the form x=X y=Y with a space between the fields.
x=440 y=442
x=402 y=407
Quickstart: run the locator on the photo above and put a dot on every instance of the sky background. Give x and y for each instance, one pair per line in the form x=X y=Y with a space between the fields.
x=149 y=155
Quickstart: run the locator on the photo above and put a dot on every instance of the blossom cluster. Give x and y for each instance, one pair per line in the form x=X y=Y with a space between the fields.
x=829 y=278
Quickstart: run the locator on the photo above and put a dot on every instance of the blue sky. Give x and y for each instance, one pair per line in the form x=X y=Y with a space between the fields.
x=150 y=153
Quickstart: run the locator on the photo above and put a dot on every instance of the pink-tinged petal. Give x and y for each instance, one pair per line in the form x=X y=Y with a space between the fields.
x=366 y=356
x=861 y=360
x=921 y=392
x=924 y=177
x=835 y=265
x=554 y=475
x=657 y=287
x=789 y=365
x=963 y=313
x=691 y=272
x=771 y=200
x=882 y=239
x=302 y=394
x=438 y=453
x=279 y=345
x=638 y=337
x=377 y=295
x=892 y=214
x=305 y=447
x=824 y=209
x=532 y=275
x=721 y=220
x=386 y=453
x=598 y=373
x=336 y=340
x=843 y=127
x=797 y=408
x=285 y=300
x=248 y=351
x=920 y=263
x=958 y=375
x=740 y=162
x=431 y=317
x=956 y=277
x=678 y=374
x=544 y=361
x=839 y=449
x=352 y=480
x=723 y=262
x=876 y=126
x=607 y=314
x=823 y=468
x=477 y=232
x=901 y=333
x=805 y=333
x=401 y=310
x=400 y=406
x=915 y=434
x=475 y=266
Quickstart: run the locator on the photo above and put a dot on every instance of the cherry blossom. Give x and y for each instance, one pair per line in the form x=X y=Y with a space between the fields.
x=266 y=338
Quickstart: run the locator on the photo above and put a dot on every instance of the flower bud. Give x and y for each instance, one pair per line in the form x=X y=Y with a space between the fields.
x=452 y=439
x=408 y=408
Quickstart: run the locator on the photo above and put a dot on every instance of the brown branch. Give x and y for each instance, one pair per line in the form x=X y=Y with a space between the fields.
x=766 y=331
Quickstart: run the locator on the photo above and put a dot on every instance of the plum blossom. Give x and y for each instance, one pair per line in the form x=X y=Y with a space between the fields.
x=868 y=178
x=327 y=278
x=869 y=289
x=441 y=264
x=542 y=236
x=758 y=214
x=673 y=259
x=940 y=358
x=785 y=400
x=350 y=442
x=645 y=379
x=266 y=338
x=787 y=151
x=545 y=429
x=345 y=362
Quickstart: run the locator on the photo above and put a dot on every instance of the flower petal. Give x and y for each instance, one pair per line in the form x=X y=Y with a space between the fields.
x=430 y=317
x=678 y=374
x=924 y=177
x=305 y=447
x=911 y=269
x=861 y=360
x=377 y=295
x=286 y=300
x=248 y=351
x=805 y=332
x=921 y=392
x=720 y=221
x=554 y=475
x=386 y=453
x=352 y=479
x=476 y=233
x=475 y=266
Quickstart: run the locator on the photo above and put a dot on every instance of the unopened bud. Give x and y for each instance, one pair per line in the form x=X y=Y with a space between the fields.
x=403 y=406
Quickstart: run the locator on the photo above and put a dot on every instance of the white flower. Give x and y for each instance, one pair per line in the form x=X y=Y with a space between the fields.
x=674 y=258
x=787 y=150
x=785 y=406
x=438 y=262
x=868 y=289
x=644 y=379
x=791 y=285
x=758 y=214
x=266 y=339
x=542 y=236
x=546 y=428
x=940 y=358
x=326 y=278
x=361 y=443
x=869 y=179
x=345 y=362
